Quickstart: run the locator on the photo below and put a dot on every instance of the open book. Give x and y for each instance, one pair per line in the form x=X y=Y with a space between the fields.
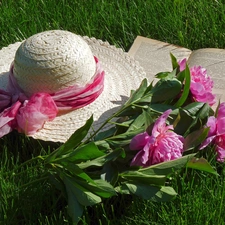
x=154 y=57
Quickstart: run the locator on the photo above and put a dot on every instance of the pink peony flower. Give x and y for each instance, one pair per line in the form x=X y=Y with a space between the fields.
x=35 y=112
x=216 y=133
x=162 y=145
x=182 y=64
x=201 y=84
x=8 y=122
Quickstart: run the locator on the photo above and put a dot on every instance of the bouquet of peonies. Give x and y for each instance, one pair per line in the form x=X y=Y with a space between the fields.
x=161 y=129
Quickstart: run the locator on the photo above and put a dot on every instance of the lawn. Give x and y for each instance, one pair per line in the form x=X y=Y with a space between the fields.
x=188 y=23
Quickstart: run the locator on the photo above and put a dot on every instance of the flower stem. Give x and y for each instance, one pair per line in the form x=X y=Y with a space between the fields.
x=107 y=121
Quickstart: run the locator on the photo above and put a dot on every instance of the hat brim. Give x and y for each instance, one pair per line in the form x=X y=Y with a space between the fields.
x=122 y=74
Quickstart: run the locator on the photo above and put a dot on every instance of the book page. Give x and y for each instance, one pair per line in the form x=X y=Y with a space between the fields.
x=214 y=61
x=154 y=56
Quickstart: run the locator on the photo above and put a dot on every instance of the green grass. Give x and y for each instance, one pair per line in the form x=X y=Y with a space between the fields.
x=189 y=23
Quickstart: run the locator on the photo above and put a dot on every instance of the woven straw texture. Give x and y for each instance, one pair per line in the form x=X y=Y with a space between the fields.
x=52 y=60
x=122 y=74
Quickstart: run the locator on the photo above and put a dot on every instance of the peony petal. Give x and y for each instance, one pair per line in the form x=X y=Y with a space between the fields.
x=147 y=151
x=142 y=157
x=220 y=154
x=201 y=85
x=207 y=141
x=169 y=147
x=43 y=103
x=35 y=112
x=137 y=160
x=7 y=119
x=182 y=64
x=196 y=88
x=221 y=111
x=139 y=141
x=204 y=96
x=221 y=126
x=162 y=145
x=211 y=123
x=160 y=124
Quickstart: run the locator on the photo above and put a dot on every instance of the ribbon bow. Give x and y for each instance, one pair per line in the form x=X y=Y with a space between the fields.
x=29 y=115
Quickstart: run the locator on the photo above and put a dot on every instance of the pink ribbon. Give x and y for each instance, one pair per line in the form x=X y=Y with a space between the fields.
x=28 y=115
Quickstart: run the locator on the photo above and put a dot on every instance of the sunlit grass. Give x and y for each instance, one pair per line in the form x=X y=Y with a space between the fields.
x=188 y=23
x=192 y=24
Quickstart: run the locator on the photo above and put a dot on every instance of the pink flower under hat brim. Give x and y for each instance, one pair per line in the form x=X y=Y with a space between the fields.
x=122 y=74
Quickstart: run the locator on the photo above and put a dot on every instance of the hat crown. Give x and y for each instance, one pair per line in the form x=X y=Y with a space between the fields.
x=53 y=60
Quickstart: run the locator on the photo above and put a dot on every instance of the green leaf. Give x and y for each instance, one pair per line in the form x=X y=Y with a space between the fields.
x=183 y=122
x=72 y=142
x=167 y=75
x=174 y=61
x=75 y=171
x=194 y=107
x=149 y=88
x=138 y=176
x=103 y=145
x=165 y=90
x=204 y=112
x=123 y=189
x=217 y=109
x=190 y=118
x=148 y=117
x=138 y=94
x=195 y=138
x=99 y=187
x=201 y=164
x=84 y=153
x=78 y=179
x=200 y=119
x=103 y=189
x=75 y=209
x=186 y=88
x=105 y=134
x=162 y=75
x=80 y=193
x=138 y=100
x=181 y=76
x=168 y=167
x=160 y=108
x=83 y=196
x=76 y=138
x=137 y=123
x=100 y=161
x=110 y=173
x=154 y=193
x=146 y=98
x=124 y=139
x=57 y=182
x=166 y=193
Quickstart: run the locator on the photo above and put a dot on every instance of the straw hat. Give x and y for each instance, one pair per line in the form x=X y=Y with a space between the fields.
x=56 y=59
